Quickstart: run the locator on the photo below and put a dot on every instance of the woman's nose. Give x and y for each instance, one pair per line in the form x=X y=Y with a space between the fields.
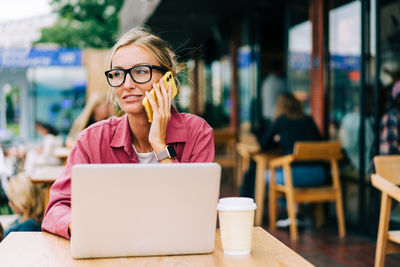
x=129 y=82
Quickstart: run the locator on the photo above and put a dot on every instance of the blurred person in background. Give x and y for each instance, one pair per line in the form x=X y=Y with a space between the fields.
x=349 y=134
x=97 y=108
x=138 y=61
x=390 y=126
x=272 y=87
x=291 y=124
x=44 y=153
x=5 y=172
x=26 y=200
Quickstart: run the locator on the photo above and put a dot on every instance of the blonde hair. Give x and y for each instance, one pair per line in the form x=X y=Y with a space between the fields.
x=26 y=196
x=161 y=51
x=289 y=106
x=81 y=122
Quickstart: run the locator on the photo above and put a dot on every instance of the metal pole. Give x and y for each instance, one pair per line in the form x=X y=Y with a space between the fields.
x=377 y=72
x=286 y=41
x=361 y=207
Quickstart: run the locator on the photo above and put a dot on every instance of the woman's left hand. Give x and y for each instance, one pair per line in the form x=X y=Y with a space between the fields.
x=161 y=115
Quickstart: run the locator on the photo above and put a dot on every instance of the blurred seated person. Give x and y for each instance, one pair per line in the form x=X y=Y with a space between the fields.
x=291 y=124
x=138 y=62
x=5 y=172
x=44 y=153
x=26 y=200
x=97 y=108
x=389 y=138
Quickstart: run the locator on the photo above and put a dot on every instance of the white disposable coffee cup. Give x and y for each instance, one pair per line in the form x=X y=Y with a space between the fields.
x=236 y=220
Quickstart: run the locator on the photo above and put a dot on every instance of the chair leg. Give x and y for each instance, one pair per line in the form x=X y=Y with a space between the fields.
x=339 y=203
x=290 y=202
x=340 y=215
x=381 y=242
x=272 y=201
x=260 y=190
x=292 y=215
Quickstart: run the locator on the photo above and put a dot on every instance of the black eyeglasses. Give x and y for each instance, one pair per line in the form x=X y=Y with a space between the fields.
x=139 y=74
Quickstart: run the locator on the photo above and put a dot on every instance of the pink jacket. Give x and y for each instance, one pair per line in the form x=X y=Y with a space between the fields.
x=110 y=141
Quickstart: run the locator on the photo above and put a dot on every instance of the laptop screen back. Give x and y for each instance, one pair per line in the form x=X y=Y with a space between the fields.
x=143 y=209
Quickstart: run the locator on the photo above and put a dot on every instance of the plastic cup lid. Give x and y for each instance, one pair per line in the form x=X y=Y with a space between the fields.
x=236 y=203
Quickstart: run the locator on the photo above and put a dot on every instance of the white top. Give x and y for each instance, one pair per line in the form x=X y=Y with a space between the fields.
x=148 y=157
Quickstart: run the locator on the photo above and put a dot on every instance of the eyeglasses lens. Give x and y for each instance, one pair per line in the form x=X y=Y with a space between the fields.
x=141 y=74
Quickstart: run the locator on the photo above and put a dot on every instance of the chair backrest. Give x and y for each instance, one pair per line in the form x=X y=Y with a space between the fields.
x=388 y=166
x=319 y=150
x=225 y=141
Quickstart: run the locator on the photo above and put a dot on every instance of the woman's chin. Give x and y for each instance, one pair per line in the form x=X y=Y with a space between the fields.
x=134 y=110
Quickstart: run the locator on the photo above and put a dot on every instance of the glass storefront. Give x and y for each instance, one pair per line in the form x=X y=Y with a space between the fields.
x=57 y=95
x=299 y=61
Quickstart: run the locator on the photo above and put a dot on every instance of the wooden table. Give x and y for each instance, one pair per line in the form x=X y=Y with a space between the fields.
x=47 y=175
x=44 y=249
x=245 y=149
x=262 y=159
x=62 y=153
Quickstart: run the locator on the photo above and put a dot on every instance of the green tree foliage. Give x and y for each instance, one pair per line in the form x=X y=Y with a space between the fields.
x=84 y=23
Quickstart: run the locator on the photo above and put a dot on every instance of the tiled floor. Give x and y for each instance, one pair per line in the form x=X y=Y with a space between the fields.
x=323 y=247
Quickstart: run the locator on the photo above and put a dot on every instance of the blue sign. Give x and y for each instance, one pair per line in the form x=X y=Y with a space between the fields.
x=302 y=61
x=26 y=57
x=345 y=62
x=244 y=57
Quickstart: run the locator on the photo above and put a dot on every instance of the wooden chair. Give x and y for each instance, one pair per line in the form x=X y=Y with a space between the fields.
x=302 y=152
x=225 y=149
x=387 y=180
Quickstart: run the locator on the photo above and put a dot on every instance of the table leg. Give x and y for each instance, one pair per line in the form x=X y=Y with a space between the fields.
x=260 y=188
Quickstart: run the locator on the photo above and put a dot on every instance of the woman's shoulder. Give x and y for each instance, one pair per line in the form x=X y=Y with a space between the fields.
x=104 y=125
x=193 y=121
x=110 y=122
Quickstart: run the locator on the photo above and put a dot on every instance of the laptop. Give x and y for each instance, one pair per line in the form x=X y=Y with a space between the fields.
x=121 y=210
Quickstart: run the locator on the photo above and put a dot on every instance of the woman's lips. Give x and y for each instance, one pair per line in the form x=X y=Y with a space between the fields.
x=132 y=98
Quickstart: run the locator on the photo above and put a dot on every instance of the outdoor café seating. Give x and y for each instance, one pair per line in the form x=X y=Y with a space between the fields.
x=387 y=180
x=306 y=151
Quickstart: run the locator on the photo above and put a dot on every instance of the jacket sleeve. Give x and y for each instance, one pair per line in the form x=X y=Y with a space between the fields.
x=199 y=146
x=204 y=148
x=58 y=213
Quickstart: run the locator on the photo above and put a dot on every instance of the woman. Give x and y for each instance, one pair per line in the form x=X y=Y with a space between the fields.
x=291 y=124
x=96 y=109
x=26 y=200
x=138 y=61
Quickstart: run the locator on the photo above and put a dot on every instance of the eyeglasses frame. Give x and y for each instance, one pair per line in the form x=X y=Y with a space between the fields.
x=159 y=68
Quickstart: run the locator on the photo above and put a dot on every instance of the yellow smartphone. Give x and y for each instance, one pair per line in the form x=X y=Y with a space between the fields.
x=169 y=80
